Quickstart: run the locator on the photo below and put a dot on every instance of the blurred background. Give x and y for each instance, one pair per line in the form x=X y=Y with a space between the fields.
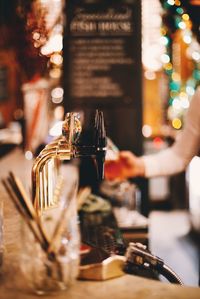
x=137 y=60
x=55 y=56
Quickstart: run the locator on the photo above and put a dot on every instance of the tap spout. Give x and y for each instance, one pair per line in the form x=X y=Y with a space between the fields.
x=66 y=147
x=41 y=173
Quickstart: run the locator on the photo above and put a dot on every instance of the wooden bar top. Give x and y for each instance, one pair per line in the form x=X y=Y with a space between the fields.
x=125 y=287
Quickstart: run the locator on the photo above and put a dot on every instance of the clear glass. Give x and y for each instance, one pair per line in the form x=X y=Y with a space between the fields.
x=47 y=271
x=122 y=194
x=126 y=201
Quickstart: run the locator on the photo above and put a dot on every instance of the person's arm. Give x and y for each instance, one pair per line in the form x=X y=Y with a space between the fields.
x=167 y=162
x=176 y=158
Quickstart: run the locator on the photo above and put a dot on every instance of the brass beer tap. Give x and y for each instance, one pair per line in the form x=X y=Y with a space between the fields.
x=45 y=170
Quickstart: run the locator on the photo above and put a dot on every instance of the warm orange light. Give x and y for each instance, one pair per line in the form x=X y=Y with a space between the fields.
x=55 y=73
x=173 y=93
x=177 y=2
x=168 y=66
x=185 y=17
x=183 y=95
x=176 y=123
x=56 y=58
x=176 y=77
x=195 y=2
x=163 y=31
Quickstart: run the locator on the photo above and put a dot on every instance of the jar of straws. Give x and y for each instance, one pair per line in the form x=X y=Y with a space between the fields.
x=50 y=241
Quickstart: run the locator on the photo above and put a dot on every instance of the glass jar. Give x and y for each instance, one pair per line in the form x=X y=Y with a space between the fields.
x=52 y=266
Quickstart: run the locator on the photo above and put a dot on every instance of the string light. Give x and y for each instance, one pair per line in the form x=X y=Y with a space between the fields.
x=176 y=123
x=187 y=39
x=165 y=58
x=182 y=25
x=196 y=56
x=171 y=2
x=164 y=40
x=177 y=2
x=180 y=91
x=168 y=66
x=185 y=17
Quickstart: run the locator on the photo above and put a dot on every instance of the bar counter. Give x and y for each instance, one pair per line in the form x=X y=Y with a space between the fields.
x=125 y=287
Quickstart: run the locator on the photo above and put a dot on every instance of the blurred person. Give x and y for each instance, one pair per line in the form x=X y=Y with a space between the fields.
x=170 y=161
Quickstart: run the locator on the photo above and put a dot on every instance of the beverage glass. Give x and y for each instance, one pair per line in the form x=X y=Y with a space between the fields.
x=53 y=268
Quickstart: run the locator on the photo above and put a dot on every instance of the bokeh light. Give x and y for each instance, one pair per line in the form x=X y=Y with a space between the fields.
x=176 y=123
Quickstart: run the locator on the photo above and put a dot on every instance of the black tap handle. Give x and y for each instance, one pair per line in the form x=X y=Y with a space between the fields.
x=100 y=132
x=100 y=143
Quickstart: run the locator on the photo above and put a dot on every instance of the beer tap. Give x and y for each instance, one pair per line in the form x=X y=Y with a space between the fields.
x=66 y=147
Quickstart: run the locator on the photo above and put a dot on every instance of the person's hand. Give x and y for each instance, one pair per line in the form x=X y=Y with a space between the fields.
x=126 y=166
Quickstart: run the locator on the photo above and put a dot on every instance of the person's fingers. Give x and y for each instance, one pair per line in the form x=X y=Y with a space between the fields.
x=128 y=159
x=126 y=154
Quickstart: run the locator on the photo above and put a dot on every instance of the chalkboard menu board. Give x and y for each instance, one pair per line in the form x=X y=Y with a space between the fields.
x=102 y=63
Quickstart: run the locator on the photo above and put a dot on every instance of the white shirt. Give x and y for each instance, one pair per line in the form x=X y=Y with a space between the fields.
x=175 y=158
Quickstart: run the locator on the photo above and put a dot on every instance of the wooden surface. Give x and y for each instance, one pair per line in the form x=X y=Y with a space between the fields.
x=125 y=287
